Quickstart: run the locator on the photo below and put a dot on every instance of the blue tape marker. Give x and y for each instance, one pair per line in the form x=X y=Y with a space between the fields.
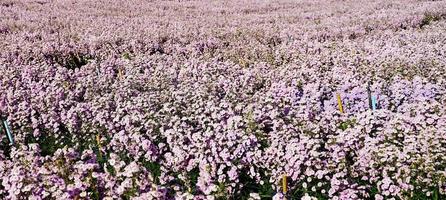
x=374 y=103
x=8 y=131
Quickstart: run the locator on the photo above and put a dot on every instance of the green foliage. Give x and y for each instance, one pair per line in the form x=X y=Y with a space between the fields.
x=347 y=124
x=129 y=193
x=70 y=61
x=48 y=143
x=93 y=189
x=154 y=168
x=429 y=18
x=76 y=61
x=4 y=145
x=192 y=176
x=101 y=159
x=253 y=128
x=127 y=56
x=250 y=185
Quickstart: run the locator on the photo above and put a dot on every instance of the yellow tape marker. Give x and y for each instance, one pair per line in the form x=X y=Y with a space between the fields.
x=341 y=109
x=284 y=184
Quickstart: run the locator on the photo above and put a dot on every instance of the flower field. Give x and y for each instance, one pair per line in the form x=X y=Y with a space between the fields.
x=249 y=99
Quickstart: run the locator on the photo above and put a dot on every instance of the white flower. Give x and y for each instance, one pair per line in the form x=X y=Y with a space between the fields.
x=278 y=196
x=83 y=194
x=210 y=197
x=378 y=197
x=254 y=196
x=308 y=197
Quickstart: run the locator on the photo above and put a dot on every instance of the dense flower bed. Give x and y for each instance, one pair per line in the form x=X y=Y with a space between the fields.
x=221 y=99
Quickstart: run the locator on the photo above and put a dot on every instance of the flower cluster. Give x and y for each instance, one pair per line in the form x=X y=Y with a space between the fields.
x=221 y=99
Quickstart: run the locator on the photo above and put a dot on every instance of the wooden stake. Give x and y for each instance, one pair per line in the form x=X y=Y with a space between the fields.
x=98 y=141
x=341 y=109
x=120 y=74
